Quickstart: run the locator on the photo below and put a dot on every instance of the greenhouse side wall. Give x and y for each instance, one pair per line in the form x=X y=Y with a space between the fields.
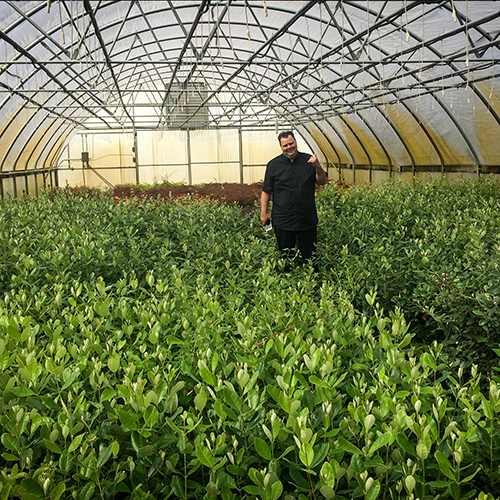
x=177 y=156
x=104 y=160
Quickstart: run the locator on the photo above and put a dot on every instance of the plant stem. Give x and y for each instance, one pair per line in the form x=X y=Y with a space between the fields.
x=491 y=452
x=423 y=479
x=185 y=477
x=100 y=489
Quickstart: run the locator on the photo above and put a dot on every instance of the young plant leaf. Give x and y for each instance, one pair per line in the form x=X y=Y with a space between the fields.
x=374 y=491
x=349 y=447
x=104 y=456
x=444 y=465
x=262 y=448
x=385 y=439
x=205 y=456
x=10 y=442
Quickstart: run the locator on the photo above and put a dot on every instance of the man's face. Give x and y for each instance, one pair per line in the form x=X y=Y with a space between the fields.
x=289 y=146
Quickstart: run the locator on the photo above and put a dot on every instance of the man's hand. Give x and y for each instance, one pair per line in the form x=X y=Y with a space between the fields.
x=313 y=159
x=264 y=203
x=320 y=173
x=265 y=218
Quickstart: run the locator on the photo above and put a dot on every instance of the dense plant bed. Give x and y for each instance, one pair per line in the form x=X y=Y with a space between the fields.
x=431 y=249
x=244 y=195
x=154 y=350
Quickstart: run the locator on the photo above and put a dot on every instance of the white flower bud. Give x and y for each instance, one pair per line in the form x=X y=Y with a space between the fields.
x=410 y=483
x=267 y=478
x=369 y=483
x=369 y=421
x=272 y=416
x=302 y=421
x=493 y=391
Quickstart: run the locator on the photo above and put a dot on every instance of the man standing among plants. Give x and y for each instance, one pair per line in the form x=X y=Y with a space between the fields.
x=290 y=179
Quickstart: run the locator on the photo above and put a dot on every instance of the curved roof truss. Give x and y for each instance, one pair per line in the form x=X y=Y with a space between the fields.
x=357 y=66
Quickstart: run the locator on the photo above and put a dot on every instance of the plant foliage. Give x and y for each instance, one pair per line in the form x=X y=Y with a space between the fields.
x=431 y=249
x=154 y=350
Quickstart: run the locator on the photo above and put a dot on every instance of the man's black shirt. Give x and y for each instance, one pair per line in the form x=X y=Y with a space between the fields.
x=292 y=185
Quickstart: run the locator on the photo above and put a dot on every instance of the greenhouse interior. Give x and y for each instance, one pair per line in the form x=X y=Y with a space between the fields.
x=159 y=339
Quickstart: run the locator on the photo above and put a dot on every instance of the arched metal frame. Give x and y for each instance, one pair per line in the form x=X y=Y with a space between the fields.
x=256 y=63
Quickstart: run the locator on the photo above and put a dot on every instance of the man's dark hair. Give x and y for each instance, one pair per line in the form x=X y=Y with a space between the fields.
x=285 y=134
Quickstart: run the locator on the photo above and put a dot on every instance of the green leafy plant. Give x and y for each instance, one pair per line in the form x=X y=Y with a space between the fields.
x=431 y=249
x=153 y=350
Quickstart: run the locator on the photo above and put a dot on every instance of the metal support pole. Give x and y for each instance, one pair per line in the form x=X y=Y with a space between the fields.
x=136 y=158
x=189 y=172
x=240 y=144
x=84 y=148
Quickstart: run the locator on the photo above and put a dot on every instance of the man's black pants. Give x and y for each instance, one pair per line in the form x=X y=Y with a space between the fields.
x=304 y=240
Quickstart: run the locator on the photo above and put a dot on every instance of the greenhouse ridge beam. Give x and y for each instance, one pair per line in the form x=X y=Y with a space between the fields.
x=232 y=62
x=88 y=9
x=52 y=77
x=158 y=43
x=201 y=11
x=265 y=45
x=53 y=41
x=323 y=62
x=210 y=37
x=99 y=75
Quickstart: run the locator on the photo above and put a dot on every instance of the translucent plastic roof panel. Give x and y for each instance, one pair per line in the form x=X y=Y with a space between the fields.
x=413 y=79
